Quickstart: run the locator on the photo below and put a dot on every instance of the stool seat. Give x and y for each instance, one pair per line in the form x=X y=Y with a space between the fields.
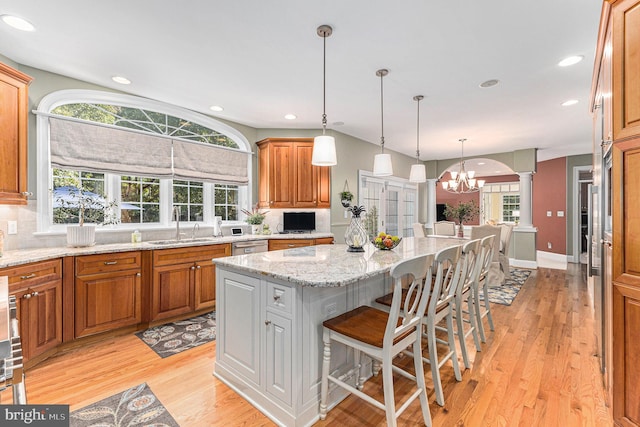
x=365 y=324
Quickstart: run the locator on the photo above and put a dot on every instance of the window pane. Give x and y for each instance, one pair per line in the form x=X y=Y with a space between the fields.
x=78 y=194
x=138 y=198
x=225 y=203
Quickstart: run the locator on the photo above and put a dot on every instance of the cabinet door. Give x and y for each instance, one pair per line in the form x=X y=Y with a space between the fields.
x=40 y=317
x=107 y=301
x=323 y=186
x=172 y=290
x=305 y=175
x=239 y=325
x=281 y=178
x=278 y=369
x=626 y=63
x=14 y=103
x=205 y=285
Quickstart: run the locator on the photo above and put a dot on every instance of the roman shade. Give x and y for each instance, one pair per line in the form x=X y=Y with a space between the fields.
x=81 y=145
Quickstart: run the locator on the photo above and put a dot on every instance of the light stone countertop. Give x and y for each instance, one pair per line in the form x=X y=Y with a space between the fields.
x=24 y=256
x=332 y=265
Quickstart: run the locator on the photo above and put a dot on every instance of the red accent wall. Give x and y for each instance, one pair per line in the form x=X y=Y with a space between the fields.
x=443 y=196
x=550 y=194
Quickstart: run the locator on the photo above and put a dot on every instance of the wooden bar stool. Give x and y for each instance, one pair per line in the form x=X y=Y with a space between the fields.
x=448 y=268
x=382 y=336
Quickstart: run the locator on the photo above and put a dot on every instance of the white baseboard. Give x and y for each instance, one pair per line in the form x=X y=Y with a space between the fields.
x=520 y=263
x=551 y=260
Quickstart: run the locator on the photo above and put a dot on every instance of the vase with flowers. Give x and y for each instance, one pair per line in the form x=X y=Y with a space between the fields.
x=255 y=217
x=464 y=211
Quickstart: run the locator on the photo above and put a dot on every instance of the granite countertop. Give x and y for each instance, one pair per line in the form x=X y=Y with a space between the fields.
x=332 y=265
x=24 y=256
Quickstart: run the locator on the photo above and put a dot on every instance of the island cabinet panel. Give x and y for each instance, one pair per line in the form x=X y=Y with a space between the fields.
x=626 y=65
x=38 y=291
x=14 y=106
x=239 y=319
x=278 y=369
x=107 y=292
x=184 y=280
x=278 y=244
x=287 y=179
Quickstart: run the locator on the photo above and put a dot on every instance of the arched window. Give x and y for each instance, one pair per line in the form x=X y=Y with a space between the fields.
x=136 y=159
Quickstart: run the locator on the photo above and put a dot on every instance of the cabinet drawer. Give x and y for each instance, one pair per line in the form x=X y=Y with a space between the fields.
x=324 y=241
x=32 y=274
x=275 y=245
x=190 y=254
x=103 y=263
x=279 y=298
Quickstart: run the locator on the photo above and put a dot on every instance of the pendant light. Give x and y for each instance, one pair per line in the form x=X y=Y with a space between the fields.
x=418 y=171
x=382 y=162
x=324 y=146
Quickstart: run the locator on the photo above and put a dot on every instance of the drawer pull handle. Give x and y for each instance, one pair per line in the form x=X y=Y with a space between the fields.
x=30 y=276
x=193 y=267
x=276 y=297
x=267 y=322
x=110 y=262
x=198 y=267
x=291 y=245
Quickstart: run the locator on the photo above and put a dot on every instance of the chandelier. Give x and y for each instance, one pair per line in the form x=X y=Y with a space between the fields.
x=462 y=181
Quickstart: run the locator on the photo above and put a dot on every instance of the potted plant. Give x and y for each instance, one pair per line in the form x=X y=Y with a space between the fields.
x=255 y=217
x=464 y=211
x=82 y=210
x=345 y=198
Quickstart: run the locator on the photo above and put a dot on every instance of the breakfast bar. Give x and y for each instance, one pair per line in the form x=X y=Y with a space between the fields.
x=270 y=309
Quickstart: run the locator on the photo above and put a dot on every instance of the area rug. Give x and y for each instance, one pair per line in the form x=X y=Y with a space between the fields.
x=175 y=337
x=137 y=406
x=506 y=293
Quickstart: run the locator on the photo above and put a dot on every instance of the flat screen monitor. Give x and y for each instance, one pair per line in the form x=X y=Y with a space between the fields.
x=299 y=222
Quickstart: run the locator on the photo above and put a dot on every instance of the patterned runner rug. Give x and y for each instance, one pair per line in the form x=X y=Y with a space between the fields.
x=172 y=338
x=137 y=406
x=506 y=293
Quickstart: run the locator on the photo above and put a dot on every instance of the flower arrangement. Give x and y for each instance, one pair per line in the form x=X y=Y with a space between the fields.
x=463 y=212
x=386 y=241
x=254 y=216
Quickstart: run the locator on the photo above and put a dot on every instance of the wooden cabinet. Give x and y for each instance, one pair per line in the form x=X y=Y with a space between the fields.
x=107 y=292
x=287 y=179
x=38 y=291
x=619 y=50
x=278 y=244
x=625 y=25
x=184 y=280
x=14 y=104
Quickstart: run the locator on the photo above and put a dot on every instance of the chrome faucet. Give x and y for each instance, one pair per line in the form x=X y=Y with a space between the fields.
x=176 y=212
x=196 y=227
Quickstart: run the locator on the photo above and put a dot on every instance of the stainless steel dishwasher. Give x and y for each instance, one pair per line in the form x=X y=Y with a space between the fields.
x=249 y=247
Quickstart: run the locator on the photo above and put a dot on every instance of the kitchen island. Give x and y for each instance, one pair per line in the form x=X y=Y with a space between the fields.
x=270 y=309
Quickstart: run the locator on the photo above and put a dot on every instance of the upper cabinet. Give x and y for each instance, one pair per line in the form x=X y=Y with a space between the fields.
x=287 y=179
x=625 y=25
x=14 y=104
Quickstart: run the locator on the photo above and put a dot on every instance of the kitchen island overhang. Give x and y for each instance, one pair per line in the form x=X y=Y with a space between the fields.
x=270 y=309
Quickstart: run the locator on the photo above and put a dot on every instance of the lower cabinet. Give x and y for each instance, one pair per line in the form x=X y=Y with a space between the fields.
x=107 y=292
x=258 y=340
x=184 y=280
x=38 y=291
x=278 y=244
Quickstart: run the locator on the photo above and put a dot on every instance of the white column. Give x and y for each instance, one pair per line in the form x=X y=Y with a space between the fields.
x=525 y=199
x=431 y=202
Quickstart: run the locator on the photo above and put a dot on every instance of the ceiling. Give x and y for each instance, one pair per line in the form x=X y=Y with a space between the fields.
x=262 y=59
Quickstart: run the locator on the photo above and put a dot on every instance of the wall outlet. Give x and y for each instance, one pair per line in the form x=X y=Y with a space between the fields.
x=549 y=213
x=560 y=213
x=12 y=227
x=548 y=245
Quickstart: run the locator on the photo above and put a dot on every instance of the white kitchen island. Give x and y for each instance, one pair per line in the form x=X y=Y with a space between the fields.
x=269 y=312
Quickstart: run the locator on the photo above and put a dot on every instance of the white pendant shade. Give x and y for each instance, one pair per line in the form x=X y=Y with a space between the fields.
x=418 y=173
x=324 y=151
x=382 y=165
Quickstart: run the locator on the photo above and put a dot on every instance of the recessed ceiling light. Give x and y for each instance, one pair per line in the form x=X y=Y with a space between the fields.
x=121 y=80
x=569 y=102
x=571 y=60
x=216 y=108
x=290 y=116
x=489 y=83
x=18 y=23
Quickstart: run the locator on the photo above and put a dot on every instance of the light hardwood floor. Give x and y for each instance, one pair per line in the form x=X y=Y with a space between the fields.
x=537 y=369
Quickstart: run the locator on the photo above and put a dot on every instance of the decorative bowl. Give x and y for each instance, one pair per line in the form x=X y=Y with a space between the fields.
x=381 y=245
